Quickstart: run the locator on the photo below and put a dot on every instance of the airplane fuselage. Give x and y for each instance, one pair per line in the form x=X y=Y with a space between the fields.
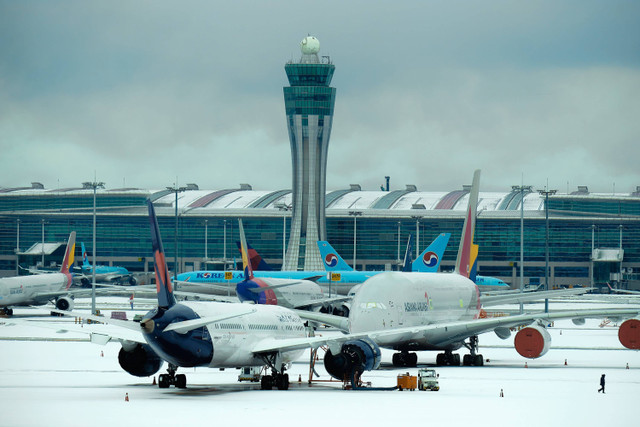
x=223 y=344
x=342 y=286
x=25 y=290
x=394 y=300
x=291 y=296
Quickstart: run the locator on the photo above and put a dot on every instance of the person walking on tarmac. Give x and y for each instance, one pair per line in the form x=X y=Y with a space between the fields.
x=601 y=389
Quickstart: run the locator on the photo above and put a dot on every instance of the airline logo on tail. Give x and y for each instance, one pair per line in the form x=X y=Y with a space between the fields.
x=331 y=260
x=463 y=261
x=430 y=259
x=163 y=280
x=68 y=258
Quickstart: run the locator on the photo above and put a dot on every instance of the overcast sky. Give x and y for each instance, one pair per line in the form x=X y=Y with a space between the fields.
x=142 y=92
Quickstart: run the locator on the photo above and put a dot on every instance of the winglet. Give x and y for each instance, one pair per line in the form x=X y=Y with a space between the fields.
x=68 y=257
x=163 y=280
x=463 y=261
x=246 y=265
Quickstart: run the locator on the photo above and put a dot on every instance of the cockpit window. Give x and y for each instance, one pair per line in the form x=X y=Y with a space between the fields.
x=369 y=305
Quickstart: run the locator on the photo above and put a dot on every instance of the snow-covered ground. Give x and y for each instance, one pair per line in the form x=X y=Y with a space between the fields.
x=52 y=378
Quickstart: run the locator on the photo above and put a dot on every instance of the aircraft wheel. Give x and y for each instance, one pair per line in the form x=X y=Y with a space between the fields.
x=479 y=360
x=395 y=359
x=266 y=382
x=412 y=359
x=440 y=360
x=164 y=381
x=181 y=381
x=455 y=359
x=466 y=360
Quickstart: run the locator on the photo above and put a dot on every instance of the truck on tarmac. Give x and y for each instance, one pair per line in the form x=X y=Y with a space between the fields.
x=428 y=380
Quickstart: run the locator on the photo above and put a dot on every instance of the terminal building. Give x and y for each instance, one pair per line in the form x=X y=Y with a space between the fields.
x=593 y=239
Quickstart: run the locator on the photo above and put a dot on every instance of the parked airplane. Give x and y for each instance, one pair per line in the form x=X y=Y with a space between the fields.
x=403 y=311
x=40 y=288
x=104 y=273
x=290 y=293
x=407 y=312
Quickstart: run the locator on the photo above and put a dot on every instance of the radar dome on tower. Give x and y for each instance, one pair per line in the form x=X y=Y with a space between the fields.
x=310 y=45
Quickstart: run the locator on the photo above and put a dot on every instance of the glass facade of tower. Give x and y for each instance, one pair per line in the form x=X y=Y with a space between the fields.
x=309 y=104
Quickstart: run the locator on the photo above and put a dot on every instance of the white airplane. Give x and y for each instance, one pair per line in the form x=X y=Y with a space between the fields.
x=39 y=289
x=404 y=311
x=408 y=312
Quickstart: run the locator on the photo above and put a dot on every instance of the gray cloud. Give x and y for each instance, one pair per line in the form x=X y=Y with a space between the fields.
x=426 y=91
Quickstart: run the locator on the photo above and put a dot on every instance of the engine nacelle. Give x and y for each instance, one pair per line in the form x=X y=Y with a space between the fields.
x=64 y=303
x=629 y=334
x=139 y=360
x=355 y=356
x=532 y=341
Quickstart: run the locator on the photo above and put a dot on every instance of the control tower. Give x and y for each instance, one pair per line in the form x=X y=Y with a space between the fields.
x=309 y=102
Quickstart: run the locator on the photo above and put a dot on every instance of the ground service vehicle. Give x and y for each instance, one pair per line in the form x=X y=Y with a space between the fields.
x=428 y=380
x=407 y=382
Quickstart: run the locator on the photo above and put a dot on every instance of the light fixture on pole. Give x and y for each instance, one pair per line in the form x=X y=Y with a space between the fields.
x=94 y=185
x=355 y=214
x=546 y=194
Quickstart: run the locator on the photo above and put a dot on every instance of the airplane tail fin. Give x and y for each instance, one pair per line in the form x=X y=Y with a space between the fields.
x=474 y=262
x=463 y=260
x=408 y=255
x=164 y=287
x=430 y=259
x=332 y=261
x=246 y=265
x=67 y=261
x=85 y=257
x=257 y=263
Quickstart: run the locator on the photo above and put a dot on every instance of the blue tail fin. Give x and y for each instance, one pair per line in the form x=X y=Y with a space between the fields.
x=163 y=280
x=408 y=255
x=332 y=261
x=429 y=260
x=85 y=258
x=257 y=263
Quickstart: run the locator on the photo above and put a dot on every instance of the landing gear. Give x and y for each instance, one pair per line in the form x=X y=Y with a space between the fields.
x=165 y=380
x=281 y=381
x=448 y=358
x=278 y=377
x=473 y=359
x=7 y=311
x=405 y=359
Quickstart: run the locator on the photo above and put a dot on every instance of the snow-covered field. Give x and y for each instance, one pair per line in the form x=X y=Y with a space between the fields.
x=50 y=378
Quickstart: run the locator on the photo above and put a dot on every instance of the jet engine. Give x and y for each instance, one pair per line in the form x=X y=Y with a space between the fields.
x=64 y=303
x=354 y=358
x=629 y=334
x=532 y=341
x=139 y=359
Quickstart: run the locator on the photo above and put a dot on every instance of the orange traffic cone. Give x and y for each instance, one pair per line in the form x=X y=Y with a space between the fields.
x=154 y=381
x=525 y=365
x=126 y=397
x=565 y=362
x=101 y=353
x=299 y=378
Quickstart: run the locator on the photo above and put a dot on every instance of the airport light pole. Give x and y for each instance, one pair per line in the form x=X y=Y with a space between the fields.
x=206 y=242
x=95 y=185
x=284 y=208
x=355 y=215
x=43 y=221
x=399 y=260
x=18 y=247
x=546 y=193
x=521 y=189
x=175 y=189
x=417 y=218
x=224 y=244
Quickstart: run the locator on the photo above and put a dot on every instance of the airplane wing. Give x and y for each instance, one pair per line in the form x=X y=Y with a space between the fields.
x=322 y=301
x=439 y=334
x=274 y=286
x=508 y=298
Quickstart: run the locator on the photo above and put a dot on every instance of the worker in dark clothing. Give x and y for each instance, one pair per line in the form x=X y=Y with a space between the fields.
x=601 y=389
